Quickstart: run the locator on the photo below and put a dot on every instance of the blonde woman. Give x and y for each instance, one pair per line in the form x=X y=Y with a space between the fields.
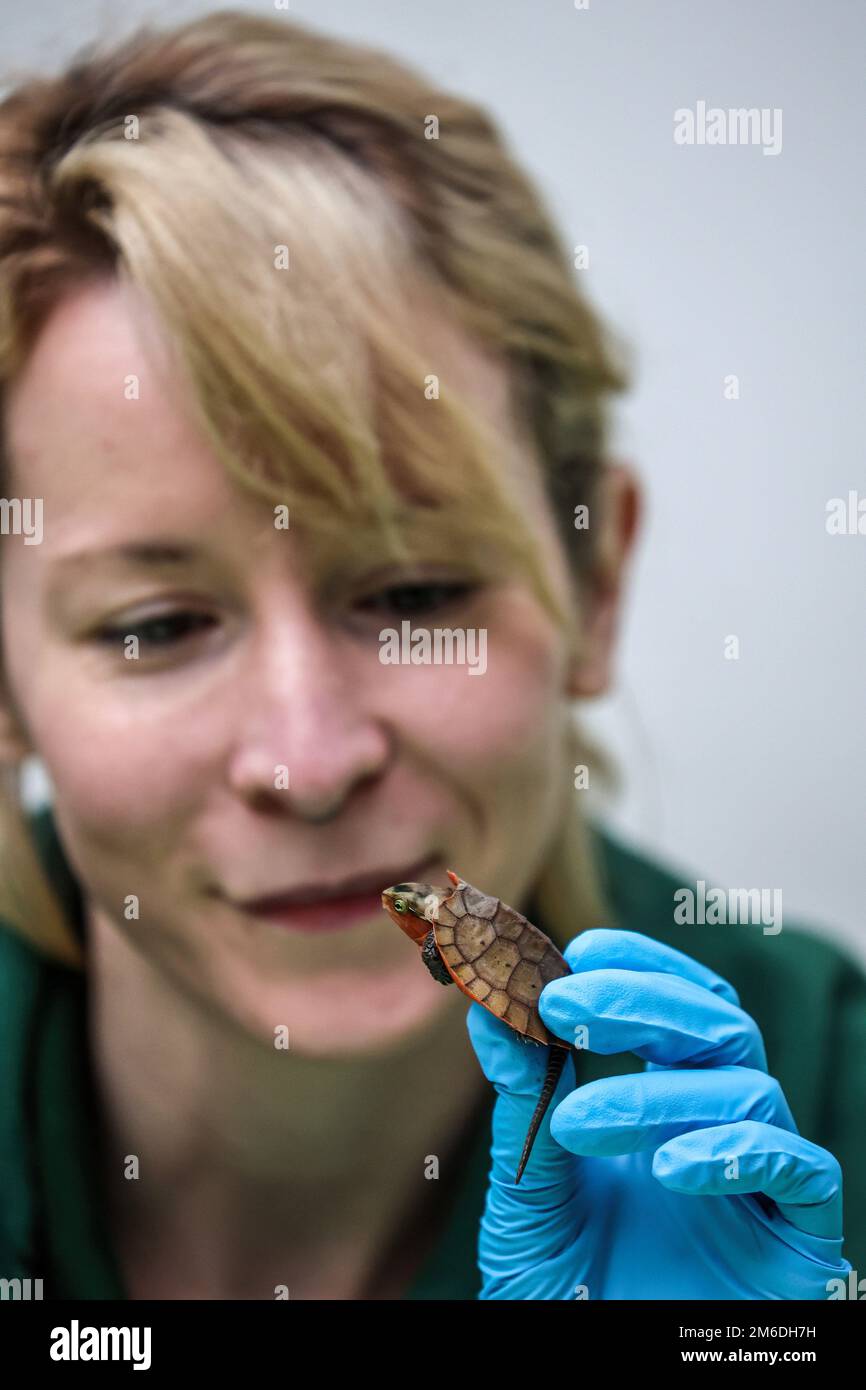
x=291 y=356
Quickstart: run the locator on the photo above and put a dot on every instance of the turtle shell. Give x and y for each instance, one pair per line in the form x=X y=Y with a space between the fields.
x=498 y=958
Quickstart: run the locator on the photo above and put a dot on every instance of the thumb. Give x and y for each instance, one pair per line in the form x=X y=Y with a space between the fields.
x=523 y=1224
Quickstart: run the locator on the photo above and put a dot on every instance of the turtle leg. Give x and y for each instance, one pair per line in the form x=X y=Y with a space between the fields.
x=555 y=1063
x=433 y=961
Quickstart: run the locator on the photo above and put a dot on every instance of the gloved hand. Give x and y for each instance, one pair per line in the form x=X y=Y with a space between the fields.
x=688 y=1180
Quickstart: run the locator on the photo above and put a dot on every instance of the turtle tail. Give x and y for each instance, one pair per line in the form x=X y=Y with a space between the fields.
x=555 y=1063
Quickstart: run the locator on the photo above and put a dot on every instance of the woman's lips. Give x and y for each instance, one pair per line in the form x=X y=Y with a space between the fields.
x=332 y=914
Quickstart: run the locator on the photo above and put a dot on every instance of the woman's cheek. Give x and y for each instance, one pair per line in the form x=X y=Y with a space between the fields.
x=118 y=771
x=485 y=715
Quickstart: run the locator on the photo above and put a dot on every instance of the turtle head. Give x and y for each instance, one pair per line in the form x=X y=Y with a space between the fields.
x=413 y=906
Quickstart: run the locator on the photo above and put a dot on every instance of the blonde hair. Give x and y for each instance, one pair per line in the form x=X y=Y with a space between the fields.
x=196 y=164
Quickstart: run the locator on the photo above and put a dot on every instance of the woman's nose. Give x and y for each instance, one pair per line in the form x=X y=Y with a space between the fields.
x=304 y=736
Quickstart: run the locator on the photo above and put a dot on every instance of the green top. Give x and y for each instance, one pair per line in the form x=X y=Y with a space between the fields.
x=807 y=996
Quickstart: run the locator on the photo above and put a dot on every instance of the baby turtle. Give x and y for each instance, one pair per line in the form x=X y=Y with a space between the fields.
x=494 y=955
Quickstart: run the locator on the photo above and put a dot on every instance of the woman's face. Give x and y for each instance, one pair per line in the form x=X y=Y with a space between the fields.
x=166 y=768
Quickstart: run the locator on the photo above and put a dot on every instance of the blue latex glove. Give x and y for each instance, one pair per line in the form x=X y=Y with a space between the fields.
x=688 y=1180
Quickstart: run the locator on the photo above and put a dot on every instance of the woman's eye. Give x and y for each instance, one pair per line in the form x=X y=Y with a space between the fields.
x=401 y=600
x=166 y=630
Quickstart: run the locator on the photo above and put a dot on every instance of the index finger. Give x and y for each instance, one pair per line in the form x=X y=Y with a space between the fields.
x=601 y=948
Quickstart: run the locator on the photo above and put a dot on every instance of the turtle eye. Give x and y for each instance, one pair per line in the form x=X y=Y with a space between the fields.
x=399 y=904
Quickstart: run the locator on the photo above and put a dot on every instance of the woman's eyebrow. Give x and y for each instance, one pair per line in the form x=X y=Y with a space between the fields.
x=154 y=553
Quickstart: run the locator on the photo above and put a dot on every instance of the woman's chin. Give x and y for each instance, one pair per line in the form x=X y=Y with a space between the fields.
x=349 y=1012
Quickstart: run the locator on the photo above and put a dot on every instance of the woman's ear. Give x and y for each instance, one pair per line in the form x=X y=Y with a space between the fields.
x=613 y=524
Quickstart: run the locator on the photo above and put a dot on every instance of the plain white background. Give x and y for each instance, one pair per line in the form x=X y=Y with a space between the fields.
x=709 y=261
